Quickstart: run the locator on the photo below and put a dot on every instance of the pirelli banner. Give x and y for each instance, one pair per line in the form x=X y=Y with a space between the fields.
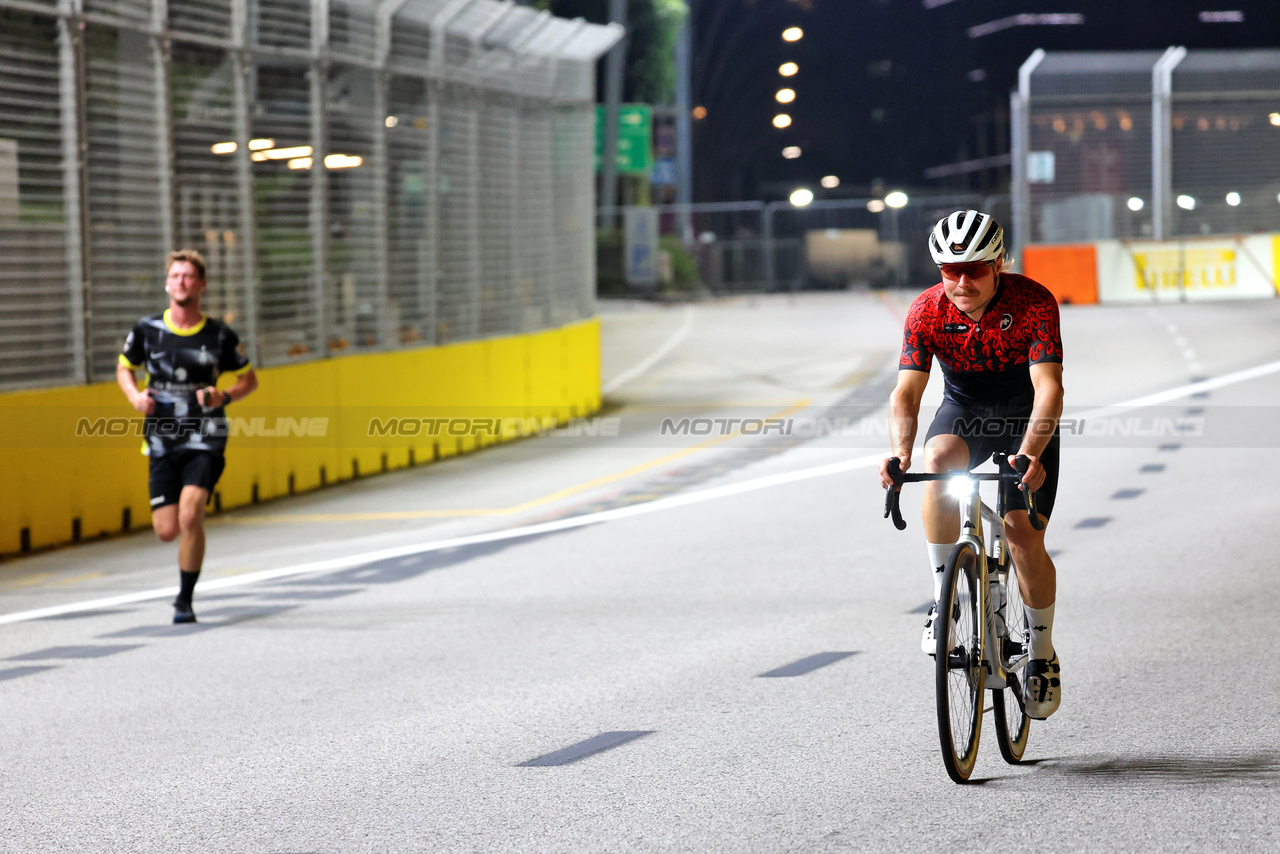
x=1122 y=271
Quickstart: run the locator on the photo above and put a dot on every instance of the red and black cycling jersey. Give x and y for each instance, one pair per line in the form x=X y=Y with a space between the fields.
x=985 y=363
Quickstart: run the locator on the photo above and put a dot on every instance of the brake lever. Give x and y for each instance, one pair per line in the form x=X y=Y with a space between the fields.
x=1021 y=463
x=891 y=494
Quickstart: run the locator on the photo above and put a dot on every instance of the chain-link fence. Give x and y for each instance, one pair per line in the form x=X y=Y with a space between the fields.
x=743 y=247
x=359 y=174
x=1146 y=145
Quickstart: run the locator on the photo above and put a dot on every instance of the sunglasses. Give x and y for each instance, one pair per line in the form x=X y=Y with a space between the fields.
x=973 y=269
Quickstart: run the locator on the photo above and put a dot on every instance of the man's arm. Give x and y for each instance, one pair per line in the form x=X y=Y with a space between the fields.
x=215 y=397
x=1046 y=378
x=904 y=418
x=128 y=383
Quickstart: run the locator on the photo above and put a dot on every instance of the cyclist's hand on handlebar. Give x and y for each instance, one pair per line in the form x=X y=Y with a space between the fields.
x=1034 y=478
x=885 y=480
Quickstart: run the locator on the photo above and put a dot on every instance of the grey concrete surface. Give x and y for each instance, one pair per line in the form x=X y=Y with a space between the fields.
x=389 y=707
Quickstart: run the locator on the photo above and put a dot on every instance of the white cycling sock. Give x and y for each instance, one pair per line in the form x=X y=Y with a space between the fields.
x=938 y=554
x=1040 y=621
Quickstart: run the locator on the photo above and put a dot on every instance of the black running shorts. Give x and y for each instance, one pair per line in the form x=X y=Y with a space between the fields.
x=181 y=468
x=985 y=434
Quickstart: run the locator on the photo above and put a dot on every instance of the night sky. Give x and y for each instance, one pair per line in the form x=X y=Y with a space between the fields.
x=889 y=88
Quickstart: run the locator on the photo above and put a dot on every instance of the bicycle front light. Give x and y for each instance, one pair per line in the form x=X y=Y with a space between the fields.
x=960 y=487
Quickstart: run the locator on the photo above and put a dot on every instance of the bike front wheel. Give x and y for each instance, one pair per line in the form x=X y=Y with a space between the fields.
x=1012 y=724
x=958 y=663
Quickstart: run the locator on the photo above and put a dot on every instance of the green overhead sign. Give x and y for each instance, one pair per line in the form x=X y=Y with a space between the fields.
x=635 y=132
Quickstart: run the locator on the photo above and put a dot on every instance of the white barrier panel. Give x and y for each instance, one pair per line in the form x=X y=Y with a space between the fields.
x=1173 y=271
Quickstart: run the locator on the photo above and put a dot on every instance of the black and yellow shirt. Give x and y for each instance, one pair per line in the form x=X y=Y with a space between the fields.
x=179 y=362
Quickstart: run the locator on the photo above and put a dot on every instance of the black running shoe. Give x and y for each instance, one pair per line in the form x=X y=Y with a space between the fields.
x=182 y=612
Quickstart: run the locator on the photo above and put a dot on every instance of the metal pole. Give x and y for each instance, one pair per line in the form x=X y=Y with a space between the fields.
x=70 y=63
x=431 y=270
x=1020 y=113
x=247 y=242
x=1162 y=142
x=164 y=126
x=518 y=192
x=770 y=269
x=387 y=336
x=473 y=208
x=318 y=211
x=684 y=130
x=615 y=66
x=382 y=170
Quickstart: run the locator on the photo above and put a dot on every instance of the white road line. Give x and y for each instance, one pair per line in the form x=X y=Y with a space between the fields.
x=588 y=518
x=1182 y=391
x=455 y=543
x=654 y=357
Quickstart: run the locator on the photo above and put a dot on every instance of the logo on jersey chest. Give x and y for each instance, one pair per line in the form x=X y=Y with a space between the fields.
x=955 y=328
x=1006 y=321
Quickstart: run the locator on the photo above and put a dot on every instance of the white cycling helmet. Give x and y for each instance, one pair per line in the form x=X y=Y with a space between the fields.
x=966 y=236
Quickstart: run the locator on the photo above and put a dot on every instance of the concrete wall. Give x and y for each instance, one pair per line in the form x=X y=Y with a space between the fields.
x=54 y=482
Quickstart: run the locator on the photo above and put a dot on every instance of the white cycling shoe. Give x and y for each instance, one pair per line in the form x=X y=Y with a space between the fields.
x=929 y=640
x=1042 y=689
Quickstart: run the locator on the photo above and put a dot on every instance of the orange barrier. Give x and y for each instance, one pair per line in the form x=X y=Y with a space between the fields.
x=1069 y=272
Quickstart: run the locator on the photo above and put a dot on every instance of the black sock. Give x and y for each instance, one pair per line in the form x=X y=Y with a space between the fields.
x=188 y=582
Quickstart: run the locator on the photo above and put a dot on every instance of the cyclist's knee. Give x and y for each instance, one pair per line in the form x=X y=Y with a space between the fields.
x=946 y=453
x=1021 y=536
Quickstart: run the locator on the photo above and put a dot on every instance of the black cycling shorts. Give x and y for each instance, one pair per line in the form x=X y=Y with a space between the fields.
x=985 y=434
x=180 y=468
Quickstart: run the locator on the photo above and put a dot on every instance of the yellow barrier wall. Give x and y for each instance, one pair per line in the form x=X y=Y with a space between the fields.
x=50 y=477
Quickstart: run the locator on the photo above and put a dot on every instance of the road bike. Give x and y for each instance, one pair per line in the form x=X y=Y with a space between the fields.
x=982 y=645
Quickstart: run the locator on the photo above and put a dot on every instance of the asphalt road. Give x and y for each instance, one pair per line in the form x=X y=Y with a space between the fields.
x=562 y=644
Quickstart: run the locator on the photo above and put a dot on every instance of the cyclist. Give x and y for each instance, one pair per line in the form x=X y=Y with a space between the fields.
x=996 y=336
x=184 y=352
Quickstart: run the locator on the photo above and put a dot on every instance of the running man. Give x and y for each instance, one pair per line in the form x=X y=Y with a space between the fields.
x=184 y=352
x=996 y=336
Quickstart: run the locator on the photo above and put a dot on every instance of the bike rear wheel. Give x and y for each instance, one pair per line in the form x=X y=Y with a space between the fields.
x=1012 y=724
x=958 y=667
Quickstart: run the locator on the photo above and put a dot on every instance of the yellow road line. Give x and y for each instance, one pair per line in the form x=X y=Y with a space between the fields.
x=394 y=515
x=28 y=581
x=62 y=582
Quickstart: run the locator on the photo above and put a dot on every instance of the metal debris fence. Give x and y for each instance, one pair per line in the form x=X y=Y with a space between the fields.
x=360 y=175
x=760 y=247
x=1146 y=145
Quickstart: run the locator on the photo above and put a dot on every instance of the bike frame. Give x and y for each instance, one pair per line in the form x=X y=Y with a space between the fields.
x=974 y=514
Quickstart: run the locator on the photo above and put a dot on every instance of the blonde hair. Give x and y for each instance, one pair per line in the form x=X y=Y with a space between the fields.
x=191 y=256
